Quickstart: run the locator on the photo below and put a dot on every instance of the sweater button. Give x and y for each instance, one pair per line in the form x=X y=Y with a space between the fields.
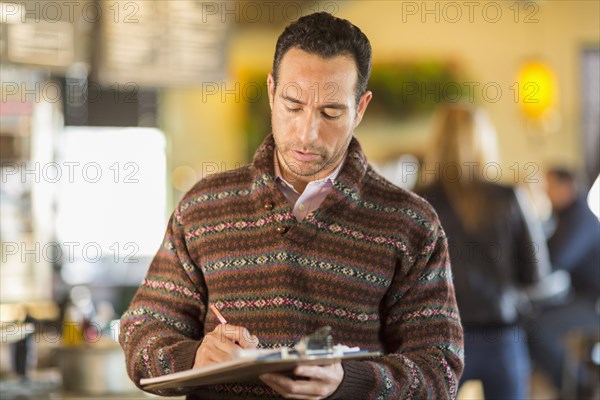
x=269 y=206
x=282 y=229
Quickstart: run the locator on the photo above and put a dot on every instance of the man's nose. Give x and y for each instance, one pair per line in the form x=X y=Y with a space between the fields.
x=309 y=131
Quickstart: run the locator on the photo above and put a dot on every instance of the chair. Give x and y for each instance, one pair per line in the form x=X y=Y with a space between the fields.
x=582 y=360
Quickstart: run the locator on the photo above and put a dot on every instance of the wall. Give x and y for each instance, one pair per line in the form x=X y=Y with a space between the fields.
x=490 y=47
x=204 y=136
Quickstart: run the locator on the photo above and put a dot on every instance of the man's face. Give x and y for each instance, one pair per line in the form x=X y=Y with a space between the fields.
x=560 y=193
x=314 y=113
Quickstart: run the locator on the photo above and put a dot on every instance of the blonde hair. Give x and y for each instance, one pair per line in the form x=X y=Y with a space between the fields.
x=463 y=138
x=464 y=145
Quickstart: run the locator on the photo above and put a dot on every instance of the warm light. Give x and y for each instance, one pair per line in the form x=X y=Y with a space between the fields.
x=183 y=178
x=537 y=89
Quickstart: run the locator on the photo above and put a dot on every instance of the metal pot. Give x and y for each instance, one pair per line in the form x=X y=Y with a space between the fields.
x=95 y=369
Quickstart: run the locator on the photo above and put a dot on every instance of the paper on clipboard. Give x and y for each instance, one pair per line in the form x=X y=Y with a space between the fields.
x=245 y=369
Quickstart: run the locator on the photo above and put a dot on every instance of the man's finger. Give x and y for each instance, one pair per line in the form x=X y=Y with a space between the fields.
x=309 y=371
x=291 y=388
x=220 y=344
x=317 y=373
x=221 y=350
x=238 y=334
x=282 y=385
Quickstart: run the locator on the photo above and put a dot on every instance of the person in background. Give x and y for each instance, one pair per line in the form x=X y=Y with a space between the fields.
x=306 y=236
x=574 y=245
x=495 y=245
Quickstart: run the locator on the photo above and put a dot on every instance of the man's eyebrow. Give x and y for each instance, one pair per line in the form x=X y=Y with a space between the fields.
x=292 y=100
x=336 y=106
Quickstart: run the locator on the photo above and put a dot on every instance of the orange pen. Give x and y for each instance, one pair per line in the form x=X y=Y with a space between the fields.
x=217 y=314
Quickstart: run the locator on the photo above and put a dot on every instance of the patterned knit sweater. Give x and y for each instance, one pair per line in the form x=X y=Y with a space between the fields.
x=371 y=262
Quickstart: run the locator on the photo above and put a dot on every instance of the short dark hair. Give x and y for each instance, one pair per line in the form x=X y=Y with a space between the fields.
x=563 y=174
x=327 y=36
x=569 y=175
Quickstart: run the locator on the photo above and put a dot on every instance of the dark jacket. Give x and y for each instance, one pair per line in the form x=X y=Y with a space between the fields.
x=493 y=262
x=575 y=247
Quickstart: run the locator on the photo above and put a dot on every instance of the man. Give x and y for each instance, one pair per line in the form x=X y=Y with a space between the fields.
x=308 y=235
x=574 y=245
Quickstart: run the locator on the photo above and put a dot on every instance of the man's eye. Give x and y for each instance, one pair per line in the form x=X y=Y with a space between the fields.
x=329 y=116
x=293 y=110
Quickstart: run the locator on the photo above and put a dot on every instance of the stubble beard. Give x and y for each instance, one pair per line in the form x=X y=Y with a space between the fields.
x=296 y=168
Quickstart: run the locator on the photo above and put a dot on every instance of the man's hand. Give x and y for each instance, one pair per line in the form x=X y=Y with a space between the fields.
x=219 y=345
x=318 y=382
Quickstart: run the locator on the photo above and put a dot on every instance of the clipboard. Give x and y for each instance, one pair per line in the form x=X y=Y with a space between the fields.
x=315 y=349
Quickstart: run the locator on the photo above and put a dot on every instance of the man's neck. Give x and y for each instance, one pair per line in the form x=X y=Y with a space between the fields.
x=298 y=182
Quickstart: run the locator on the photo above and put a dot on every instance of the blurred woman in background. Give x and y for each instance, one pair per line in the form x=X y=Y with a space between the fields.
x=496 y=248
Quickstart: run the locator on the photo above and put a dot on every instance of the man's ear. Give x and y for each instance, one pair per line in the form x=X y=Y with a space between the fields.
x=362 y=106
x=271 y=87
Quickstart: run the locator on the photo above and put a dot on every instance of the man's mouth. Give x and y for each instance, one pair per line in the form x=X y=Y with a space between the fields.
x=305 y=156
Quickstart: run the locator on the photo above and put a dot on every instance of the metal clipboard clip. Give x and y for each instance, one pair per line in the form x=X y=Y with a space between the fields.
x=316 y=344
